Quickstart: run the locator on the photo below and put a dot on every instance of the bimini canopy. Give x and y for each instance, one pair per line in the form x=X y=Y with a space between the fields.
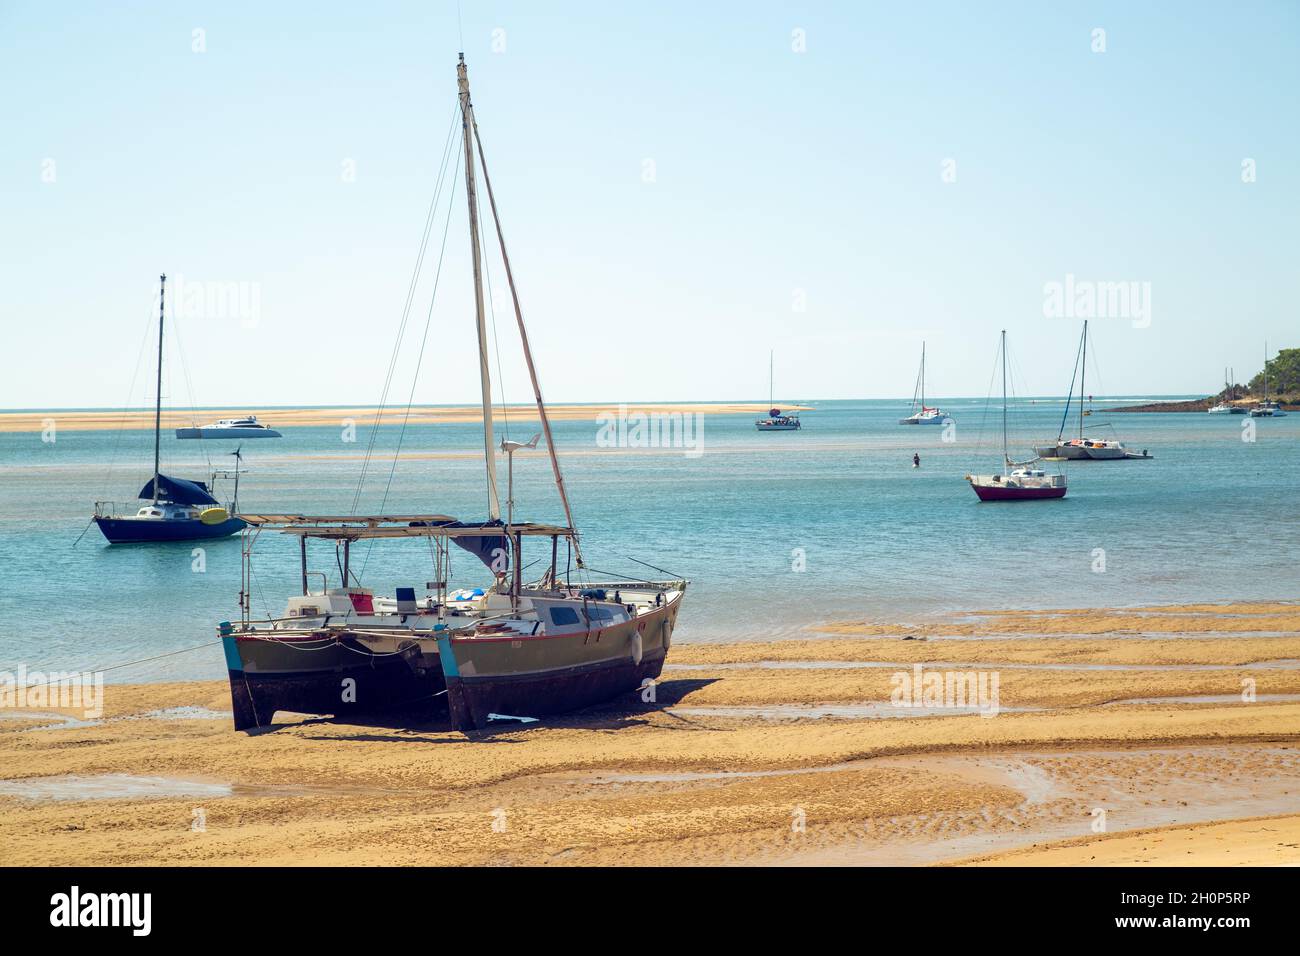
x=492 y=547
x=178 y=491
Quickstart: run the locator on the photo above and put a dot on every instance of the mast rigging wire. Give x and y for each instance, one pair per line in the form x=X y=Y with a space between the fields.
x=406 y=312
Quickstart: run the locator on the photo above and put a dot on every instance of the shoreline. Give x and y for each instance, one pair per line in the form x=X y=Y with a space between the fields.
x=361 y=415
x=773 y=753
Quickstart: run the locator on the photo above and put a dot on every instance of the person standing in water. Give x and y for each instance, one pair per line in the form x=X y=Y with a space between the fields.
x=916 y=460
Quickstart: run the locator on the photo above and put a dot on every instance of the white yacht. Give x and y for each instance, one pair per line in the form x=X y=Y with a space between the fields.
x=248 y=427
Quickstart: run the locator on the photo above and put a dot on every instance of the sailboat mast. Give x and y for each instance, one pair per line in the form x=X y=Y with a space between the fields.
x=771 y=380
x=922 y=376
x=485 y=374
x=1083 y=374
x=523 y=338
x=1005 y=457
x=157 y=409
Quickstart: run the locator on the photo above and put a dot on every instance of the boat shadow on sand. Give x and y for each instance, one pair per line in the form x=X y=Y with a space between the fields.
x=431 y=724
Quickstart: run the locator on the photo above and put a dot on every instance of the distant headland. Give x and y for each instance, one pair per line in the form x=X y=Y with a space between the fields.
x=1283 y=386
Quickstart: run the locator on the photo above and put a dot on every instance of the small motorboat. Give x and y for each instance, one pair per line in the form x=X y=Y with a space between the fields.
x=248 y=427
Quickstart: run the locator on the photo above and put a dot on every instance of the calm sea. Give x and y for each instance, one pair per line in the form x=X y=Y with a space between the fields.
x=775 y=530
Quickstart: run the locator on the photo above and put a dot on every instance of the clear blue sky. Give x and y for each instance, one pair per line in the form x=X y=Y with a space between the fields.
x=775 y=171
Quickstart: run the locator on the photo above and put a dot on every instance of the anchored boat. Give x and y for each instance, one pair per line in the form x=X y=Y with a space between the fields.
x=775 y=421
x=248 y=427
x=923 y=414
x=1020 y=481
x=177 y=509
x=1266 y=408
x=513 y=647
x=1084 y=447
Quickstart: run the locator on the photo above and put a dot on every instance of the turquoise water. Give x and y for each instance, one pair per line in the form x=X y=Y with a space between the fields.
x=1211 y=518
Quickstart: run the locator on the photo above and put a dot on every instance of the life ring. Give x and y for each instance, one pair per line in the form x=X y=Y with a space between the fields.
x=636 y=648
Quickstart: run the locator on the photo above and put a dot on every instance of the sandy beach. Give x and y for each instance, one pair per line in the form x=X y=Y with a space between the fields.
x=1143 y=735
x=72 y=420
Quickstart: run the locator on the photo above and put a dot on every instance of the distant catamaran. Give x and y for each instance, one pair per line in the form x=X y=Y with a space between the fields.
x=1267 y=409
x=1020 y=481
x=1084 y=448
x=514 y=648
x=922 y=414
x=178 y=510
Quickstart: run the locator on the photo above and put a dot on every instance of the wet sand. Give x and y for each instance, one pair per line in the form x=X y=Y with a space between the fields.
x=807 y=771
x=362 y=416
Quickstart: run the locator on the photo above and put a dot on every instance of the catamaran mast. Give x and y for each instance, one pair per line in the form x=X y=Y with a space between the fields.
x=771 y=377
x=922 y=376
x=157 y=410
x=484 y=372
x=1083 y=373
x=523 y=331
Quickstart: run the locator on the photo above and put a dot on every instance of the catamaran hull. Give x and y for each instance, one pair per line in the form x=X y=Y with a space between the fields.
x=324 y=676
x=501 y=676
x=140 y=531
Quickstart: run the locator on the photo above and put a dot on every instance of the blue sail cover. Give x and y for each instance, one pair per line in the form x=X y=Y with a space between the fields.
x=178 y=491
x=492 y=548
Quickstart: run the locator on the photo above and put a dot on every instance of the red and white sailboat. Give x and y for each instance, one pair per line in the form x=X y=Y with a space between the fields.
x=1020 y=481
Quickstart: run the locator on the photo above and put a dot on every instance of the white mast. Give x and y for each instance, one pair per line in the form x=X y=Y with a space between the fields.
x=922 y=376
x=771 y=377
x=1005 y=457
x=485 y=375
x=523 y=331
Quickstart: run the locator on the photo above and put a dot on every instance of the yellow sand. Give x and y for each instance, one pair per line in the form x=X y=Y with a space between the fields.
x=1263 y=842
x=573 y=790
x=362 y=416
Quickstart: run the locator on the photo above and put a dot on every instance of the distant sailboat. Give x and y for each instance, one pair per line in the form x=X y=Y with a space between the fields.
x=178 y=510
x=1225 y=406
x=1267 y=409
x=922 y=414
x=1084 y=448
x=1021 y=481
x=775 y=421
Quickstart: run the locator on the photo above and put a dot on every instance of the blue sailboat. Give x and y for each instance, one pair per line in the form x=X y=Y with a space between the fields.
x=176 y=509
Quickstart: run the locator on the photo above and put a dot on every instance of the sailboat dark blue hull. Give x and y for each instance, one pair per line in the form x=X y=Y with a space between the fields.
x=138 y=531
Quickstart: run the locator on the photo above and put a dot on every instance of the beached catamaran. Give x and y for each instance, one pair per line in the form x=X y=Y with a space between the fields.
x=514 y=648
